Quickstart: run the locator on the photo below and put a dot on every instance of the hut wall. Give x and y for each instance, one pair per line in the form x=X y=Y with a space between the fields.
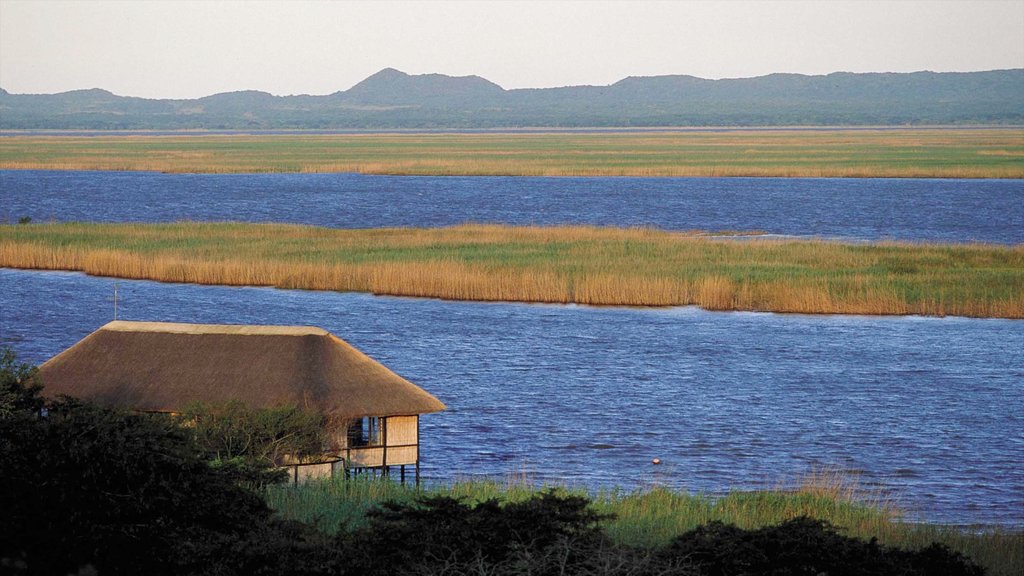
x=366 y=457
x=403 y=455
x=402 y=445
x=301 y=473
x=403 y=430
x=374 y=457
x=402 y=440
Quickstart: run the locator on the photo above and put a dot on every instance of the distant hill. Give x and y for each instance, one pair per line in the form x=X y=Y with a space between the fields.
x=393 y=99
x=391 y=87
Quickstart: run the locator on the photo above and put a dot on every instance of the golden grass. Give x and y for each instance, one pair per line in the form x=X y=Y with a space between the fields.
x=933 y=153
x=585 y=265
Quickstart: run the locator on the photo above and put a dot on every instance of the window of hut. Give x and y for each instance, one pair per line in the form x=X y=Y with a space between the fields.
x=365 y=432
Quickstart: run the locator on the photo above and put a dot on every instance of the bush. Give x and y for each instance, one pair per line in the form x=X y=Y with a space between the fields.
x=232 y=430
x=19 y=389
x=249 y=441
x=551 y=534
x=435 y=533
x=804 y=546
x=121 y=492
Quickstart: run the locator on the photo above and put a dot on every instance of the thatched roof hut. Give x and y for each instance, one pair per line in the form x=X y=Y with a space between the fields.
x=162 y=367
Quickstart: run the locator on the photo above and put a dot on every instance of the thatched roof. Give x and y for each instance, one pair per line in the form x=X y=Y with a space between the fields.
x=156 y=366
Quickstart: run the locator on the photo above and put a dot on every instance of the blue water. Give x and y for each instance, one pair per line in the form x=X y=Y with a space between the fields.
x=925 y=411
x=928 y=412
x=861 y=209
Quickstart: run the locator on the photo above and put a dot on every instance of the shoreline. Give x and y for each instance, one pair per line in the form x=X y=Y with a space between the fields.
x=530 y=175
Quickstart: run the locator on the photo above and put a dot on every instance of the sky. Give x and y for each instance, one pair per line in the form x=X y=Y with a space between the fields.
x=186 y=49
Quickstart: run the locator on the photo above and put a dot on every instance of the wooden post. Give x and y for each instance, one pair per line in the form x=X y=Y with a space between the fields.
x=384 y=442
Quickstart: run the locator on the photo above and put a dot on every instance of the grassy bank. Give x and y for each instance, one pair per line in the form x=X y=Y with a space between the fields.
x=651 y=518
x=980 y=153
x=599 y=266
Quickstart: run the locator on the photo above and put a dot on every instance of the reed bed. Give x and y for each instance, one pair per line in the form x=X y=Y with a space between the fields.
x=584 y=265
x=652 y=517
x=910 y=153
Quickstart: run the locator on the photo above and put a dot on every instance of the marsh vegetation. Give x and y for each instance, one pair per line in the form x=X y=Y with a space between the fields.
x=910 y=153
x=585 y=265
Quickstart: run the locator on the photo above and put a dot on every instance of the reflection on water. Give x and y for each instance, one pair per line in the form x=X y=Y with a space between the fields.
x=929 y=411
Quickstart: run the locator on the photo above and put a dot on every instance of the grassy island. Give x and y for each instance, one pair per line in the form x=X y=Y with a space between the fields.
x=585 y=265
x=889 y=152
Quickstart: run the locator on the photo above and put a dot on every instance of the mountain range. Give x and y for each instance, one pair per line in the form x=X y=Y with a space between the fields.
x=391 y=99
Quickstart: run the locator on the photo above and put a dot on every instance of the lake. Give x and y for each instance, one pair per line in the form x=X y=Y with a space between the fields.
x=928 y=412
x=854 y=209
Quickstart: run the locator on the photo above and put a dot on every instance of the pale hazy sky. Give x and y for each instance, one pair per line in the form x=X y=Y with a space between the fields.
x=186 y=49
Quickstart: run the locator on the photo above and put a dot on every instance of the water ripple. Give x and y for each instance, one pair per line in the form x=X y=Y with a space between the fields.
x=850 y=209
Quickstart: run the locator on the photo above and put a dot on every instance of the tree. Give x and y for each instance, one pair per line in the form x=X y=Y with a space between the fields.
x=252 y=441
x=269 y=435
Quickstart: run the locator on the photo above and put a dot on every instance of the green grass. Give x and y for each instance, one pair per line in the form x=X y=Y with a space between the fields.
x=602 y=266
x=974 y=153
x=652 y=517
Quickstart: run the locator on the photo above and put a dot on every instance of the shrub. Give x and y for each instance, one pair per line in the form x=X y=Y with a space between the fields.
x=436 y=532
x=250 y=441
x=804 y=546
x=121 y=492
x=19 y=388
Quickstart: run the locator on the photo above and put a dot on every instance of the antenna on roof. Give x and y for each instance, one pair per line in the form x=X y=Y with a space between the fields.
x=115 y=300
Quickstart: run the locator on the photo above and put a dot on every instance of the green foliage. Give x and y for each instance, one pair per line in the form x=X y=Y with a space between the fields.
x=122 y=493
x=19 y=386
x=641 y=523
x=551 y=533
x=803 y=546
x=436 y=533
x=229 y=431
